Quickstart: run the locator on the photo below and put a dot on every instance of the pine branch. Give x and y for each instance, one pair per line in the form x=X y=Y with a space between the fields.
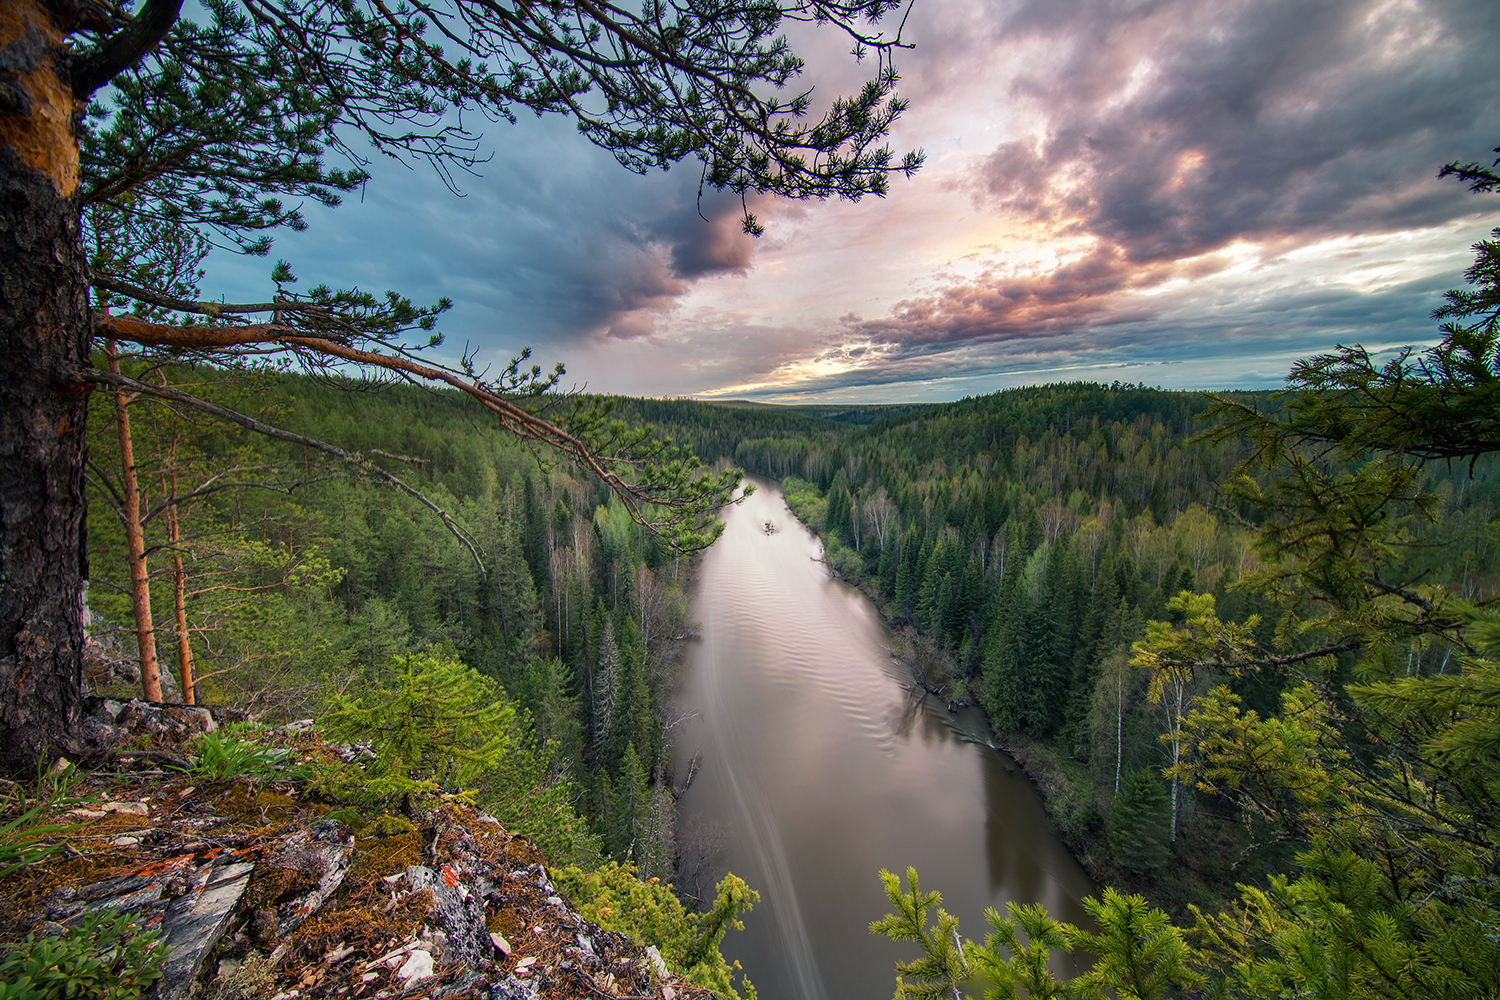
x=672 y=486
x=93 y=67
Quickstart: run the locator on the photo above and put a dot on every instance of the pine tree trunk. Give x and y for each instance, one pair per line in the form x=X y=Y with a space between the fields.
x=135 y=540
x=184 y=642
x=179 y=578
x=44 y=334
x=179 y=602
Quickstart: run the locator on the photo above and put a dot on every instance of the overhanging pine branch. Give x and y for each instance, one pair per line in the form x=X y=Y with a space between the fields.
x=93 y=67
x=111 y=283
x=520 y=422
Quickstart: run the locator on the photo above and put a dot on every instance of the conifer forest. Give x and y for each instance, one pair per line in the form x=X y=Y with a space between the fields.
x=1148 y=593
x=341 y=662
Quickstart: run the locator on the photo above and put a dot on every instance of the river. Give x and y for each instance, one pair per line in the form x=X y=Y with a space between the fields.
x=820 y=766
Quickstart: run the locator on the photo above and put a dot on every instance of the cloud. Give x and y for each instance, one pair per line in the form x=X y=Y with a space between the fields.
x=995 y=307
x=1190 y=191
x=551 y=244
x=1172 y=131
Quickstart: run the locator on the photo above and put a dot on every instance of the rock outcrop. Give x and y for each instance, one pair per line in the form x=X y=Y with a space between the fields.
x=261 y=893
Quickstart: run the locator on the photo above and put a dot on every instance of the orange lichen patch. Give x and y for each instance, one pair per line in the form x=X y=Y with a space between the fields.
x=42 y=137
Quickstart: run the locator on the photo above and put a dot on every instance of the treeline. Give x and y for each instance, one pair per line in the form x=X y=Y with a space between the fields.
x=1022 y=541
x=278 y=575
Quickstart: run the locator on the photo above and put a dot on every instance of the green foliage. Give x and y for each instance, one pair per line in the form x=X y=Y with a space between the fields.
x=805 y=501
x=21 y=839
x=943 y=966
x=1028 y=969
x=527 y=790
x=105 y=956
x=224 y=758
x=1172 y=654
x=1139 y=821
x=1138 y=954
x=1396 y=892
x=1332 y=932
x=1286 y=768
x=648 y=913
x=24 y=837
x=438 y=728
x=442 y=728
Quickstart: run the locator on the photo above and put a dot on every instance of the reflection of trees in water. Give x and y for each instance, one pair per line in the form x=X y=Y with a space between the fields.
x=930 y=662
x=1000 y=839
x=904 y=717
x=1017 y=833
x=701 y=847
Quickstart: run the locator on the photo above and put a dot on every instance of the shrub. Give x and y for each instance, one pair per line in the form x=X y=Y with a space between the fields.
x=105 y=957
x=647 y=913
x=438 y=729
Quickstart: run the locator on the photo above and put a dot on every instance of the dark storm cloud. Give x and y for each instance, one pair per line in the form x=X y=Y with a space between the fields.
x=550 y=243
x=1174 y=129
x=713 y=242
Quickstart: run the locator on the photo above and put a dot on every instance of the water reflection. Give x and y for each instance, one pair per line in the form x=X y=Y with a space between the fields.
x=821 y=765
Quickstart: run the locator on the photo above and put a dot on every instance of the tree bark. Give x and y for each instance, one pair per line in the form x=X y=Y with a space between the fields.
x=135 y=539
x=179 y=580
x=44 y=336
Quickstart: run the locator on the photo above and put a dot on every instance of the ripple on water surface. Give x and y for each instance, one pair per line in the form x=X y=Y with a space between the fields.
x=819 y=768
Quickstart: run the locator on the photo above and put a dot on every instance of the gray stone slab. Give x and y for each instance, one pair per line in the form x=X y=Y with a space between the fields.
x=325 y=851
x=194 y=923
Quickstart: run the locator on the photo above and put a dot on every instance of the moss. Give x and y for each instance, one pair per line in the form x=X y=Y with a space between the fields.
x=365 y=921
x=382 y=856
x=115 y=823
x=390 y=826
x=262 y=808
x=253 y=979
x=25 y=892
x=521 y=850
x=270 y=886
x=507 y=923
x=352 y=818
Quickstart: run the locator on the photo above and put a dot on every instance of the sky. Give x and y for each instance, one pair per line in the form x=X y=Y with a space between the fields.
x=1189 y=194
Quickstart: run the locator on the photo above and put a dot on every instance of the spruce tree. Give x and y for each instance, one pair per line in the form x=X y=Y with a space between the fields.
x=1139 y=822
x=606 y=693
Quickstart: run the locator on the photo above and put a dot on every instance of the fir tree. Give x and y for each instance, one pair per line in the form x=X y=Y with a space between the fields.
x=1139 y=822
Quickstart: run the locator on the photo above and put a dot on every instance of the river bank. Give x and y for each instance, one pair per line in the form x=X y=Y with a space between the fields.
x=1199 y=875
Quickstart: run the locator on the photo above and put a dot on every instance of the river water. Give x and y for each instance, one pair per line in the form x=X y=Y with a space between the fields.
x=820 y=766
